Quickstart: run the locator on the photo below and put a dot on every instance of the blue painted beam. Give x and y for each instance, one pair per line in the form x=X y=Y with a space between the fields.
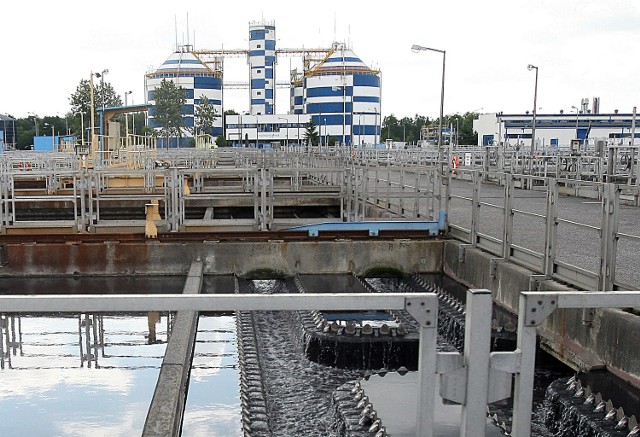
x=374 y=227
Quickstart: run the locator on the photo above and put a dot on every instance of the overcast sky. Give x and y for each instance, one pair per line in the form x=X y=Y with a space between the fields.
x=583 y=48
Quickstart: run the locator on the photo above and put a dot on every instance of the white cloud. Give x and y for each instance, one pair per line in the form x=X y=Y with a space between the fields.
x=488 y=46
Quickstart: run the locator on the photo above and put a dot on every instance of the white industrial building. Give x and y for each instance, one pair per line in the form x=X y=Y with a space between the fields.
x=584 y=130
x=265 y=130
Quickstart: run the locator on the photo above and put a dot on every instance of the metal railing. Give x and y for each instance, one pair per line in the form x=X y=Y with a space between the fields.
x=580 y=250
x=474 y=378
x=523 y=220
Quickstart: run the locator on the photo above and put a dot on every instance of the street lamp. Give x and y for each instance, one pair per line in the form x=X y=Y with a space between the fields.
x=326 y=140
x=101 y=77
x=35 y=122
x=126 y=118
x=535 y=99
x=416 y=48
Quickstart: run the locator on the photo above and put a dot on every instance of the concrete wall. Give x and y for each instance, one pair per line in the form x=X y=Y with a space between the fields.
x=286 y=257
x=609 y=341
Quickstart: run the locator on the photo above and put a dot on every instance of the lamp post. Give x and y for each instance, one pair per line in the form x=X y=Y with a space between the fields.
x=416 y=48
x=326 y=142
x=101 y=77
x=404 y=131
x=375 y=132
x=35 y=122
x=126 y=118
x=535 y=101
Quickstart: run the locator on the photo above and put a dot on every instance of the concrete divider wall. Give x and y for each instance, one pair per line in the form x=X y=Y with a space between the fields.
x=286 y=257
x=166 y=412
x=610 y=340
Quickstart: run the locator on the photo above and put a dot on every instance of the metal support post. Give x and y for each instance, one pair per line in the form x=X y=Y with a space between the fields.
x=477 y=346
x=270 y=177
x=507 y=231
x=523 y=393
x=427 y=316
x=174 y=200
x=551 y=229
x=609 y=239
x=263 y=199
x=416 y=199
x=401 y=200
x=485 y=165
x=365 y=192
x=349 y=183
x=632 y=162
x=447 y=195
x=475 y=209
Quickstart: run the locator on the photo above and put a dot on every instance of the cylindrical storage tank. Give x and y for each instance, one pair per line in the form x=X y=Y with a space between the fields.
x=297 y=97
x=343 y=96
x=186 y=70
x=262 y=60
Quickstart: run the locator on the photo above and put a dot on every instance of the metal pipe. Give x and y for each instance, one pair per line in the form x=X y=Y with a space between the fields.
x=535 y=104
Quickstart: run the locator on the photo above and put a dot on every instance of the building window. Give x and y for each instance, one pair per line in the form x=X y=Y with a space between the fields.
x=259 y=93
x=259 y=46
x=259 y=71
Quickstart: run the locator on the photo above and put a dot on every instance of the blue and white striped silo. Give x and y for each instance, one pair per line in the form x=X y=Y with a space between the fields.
x=343 y=95
x=186 y=70
x=296 y=93
x=262 y=59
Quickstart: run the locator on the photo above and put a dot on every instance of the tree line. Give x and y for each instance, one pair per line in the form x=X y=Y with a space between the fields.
x=168 y=115
x=408 y=129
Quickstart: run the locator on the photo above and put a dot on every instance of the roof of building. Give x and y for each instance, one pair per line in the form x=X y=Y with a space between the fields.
x=184 y=62
x=341 y=60
x=4 y=117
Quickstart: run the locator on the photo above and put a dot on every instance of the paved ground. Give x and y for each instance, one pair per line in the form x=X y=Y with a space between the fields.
x=576 y=245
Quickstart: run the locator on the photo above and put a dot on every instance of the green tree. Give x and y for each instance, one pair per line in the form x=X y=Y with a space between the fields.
x=169 y=100
x=311 y=133
x=25 y=131
x=80 y=102
x=463 y=125
x=205 y=116
x=404 y=129
x=221 y=141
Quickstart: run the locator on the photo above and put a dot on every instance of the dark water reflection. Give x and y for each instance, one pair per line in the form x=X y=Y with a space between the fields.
x=92 y=285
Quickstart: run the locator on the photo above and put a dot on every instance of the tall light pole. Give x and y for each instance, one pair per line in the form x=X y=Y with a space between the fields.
x=535 y=104
x=416 y=48
x=101 y=77
x=404 y=131
x=35 y=122
x=375 y=132
x=326 y=139
x=126 y=118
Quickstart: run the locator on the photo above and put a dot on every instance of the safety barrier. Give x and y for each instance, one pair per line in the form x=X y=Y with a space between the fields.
x=474 y=378
x=373 y=185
